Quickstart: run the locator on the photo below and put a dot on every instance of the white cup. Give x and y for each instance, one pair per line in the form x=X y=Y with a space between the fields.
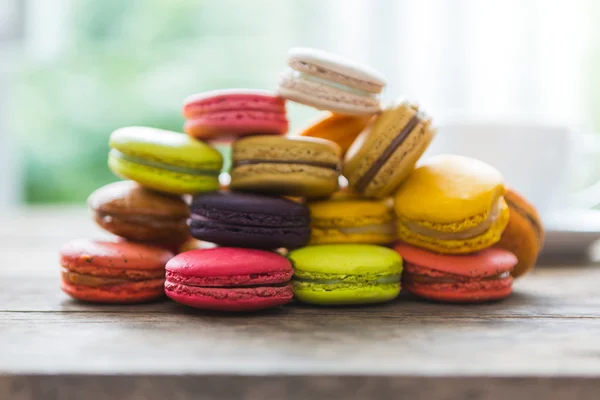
x=538 y=161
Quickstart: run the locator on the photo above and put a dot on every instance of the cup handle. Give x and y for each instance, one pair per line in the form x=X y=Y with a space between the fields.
x=590 y=196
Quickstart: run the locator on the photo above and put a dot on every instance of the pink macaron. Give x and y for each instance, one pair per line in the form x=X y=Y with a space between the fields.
x=227 y=114
x=229 y=279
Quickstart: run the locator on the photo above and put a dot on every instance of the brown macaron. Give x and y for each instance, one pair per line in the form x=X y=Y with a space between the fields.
x=386 y=151
x=524 y=234
x=128 y=210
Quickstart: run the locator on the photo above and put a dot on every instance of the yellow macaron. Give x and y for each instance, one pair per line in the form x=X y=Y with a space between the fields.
x=352 y=220
x=452 y=204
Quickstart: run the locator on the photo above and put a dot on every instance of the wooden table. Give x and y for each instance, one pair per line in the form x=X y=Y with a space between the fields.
x=542 y=343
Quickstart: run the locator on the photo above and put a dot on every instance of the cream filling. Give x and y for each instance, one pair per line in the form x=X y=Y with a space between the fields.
x=431 y=279
x=462 y=235
x=90 y=280
x=327 y=82
x=379 y=229
x=381 y=280
x=167 y=167
x=153 y=222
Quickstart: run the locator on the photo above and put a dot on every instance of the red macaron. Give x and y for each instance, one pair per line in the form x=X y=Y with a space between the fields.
x=229 y=279
x=470 y=278
x=113 y=272
x=227 y=114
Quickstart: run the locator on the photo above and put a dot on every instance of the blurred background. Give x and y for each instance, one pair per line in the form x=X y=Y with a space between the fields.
x=72 y=71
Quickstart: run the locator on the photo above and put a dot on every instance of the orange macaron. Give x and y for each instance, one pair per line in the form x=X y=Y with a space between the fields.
x=524 y=234
x=466 y=278
x=339 y=128
x=113 y=272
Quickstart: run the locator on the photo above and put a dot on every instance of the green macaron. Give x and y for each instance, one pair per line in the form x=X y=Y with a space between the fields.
x=163 y=160
x=339 y=274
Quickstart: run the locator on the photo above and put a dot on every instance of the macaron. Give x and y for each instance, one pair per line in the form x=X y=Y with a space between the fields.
x=249 y=220
x=385 y=153
x=287 y=166
x=524 y=234
x=339 y=128
x=329 y=82
x=338 y=274
x=470 y=278
x=229 y=279
x=352 y=221
x=129 y=210
x=163 y=160
x=226 y=114
x=113 y=272
x=452 y=204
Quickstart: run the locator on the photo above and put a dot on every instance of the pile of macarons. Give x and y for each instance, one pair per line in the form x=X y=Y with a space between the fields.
x=342 y=212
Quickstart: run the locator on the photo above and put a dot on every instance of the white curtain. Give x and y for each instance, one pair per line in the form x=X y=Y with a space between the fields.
x=484 y=59
x=522 y=59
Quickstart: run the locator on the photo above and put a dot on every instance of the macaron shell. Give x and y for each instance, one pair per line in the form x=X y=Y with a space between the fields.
x=234 y=112
x=243 y=274
x=235 y=123
x=339 y=128
x=334 y=236
x=163 y=180
x=481 y=292
x=227 y=261
x=286 y=149
x=465 y=278
x=346 y=259
x=250 y=209
x=368 y=148
x=284 y=166
x=344 y=294
x=449 y=188
x=134 y=292
x=84 y=253
x=324 y=97
x=524 y=234
x=229 y=299
x=249 y=220
x=144 y=229
x=349 y=213
x=167 y=147
x=113 y=272
x=351 y=221
x=307 y=57
x=250 y=236
x=487 y=262
x=464 y=246
x=285 y=179
x=128 y=210
x=127 y=197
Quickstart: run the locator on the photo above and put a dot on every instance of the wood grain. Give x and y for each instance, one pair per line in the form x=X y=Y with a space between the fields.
x=540 y=343
x=337 y=387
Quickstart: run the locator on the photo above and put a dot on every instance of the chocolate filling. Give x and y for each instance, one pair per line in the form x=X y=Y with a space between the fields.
x=155 y=222
x=364 y=180
x=94 y=281
x=335 y=167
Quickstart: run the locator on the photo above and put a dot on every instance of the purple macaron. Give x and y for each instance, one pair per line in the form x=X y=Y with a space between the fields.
x=249 y=220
